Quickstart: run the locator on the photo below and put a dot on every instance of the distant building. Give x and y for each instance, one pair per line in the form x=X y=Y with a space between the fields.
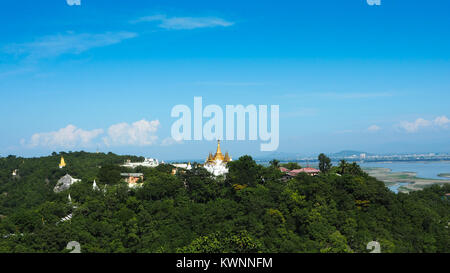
x=310 y=171
x=180 y=165
x=132 y=178
x=148 y=162
x=217 y=164
x=64 y=183
x=186 y=166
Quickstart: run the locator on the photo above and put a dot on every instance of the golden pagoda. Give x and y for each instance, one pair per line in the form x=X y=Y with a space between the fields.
x=217 y=164
x=62 y=164
x=218 y=156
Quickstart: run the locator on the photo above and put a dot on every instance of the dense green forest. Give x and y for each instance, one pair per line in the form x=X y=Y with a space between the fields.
x=252 y=209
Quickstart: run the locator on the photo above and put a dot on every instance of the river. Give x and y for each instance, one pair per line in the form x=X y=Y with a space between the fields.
x=429 y=170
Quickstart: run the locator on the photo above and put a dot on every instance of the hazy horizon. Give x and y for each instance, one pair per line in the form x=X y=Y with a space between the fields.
x=346 y=75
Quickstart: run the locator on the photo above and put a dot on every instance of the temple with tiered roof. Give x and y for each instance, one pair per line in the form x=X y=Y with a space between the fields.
x=217 y=164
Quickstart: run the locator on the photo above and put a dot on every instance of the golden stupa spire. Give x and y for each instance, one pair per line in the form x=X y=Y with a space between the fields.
x=210 y=158
x=62 y=164
x=218 y=147
x=218 y=155
x=227 y=157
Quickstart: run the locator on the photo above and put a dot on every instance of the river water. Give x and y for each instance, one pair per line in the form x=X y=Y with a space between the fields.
x=429 y=170
x=422 y=169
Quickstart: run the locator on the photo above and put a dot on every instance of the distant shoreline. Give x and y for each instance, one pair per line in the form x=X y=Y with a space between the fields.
x=414 y=183
x=335 y=161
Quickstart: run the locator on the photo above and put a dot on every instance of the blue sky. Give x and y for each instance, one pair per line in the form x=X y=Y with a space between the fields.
x=106 y=74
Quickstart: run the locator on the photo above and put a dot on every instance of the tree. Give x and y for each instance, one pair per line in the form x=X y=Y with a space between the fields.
x=275 y=163
x=253 y=211
x=244 y=171
x=109 y=174
x=200 y=185
x=342 y=166
x=324 y=163
x=240 y=242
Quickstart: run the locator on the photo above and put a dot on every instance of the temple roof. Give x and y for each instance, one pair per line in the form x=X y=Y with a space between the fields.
x=218 y=156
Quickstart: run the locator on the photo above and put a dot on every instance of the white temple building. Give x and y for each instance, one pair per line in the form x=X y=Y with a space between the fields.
x=217 y=164
x=64 y=183
x=148 y=162
x=186 y=166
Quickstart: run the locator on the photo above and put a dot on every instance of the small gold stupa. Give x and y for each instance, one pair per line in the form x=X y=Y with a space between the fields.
x=62 y=164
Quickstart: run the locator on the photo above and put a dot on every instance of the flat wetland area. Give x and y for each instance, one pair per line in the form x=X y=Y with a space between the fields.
x=409 y=181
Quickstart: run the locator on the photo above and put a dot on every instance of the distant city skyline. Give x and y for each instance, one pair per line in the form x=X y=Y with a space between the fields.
x=104 y=75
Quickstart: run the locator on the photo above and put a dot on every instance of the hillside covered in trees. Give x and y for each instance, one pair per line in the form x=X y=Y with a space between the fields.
x=252 y=209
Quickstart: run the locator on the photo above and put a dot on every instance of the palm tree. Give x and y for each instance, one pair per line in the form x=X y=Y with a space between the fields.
x=343 y=166
x=275 y=163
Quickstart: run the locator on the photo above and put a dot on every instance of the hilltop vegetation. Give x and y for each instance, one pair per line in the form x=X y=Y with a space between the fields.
x=250 y=210
x=36 y=177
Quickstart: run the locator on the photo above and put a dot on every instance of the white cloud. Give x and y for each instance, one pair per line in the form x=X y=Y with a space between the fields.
x=185 y=22
x=442 y=121
x=69 y=43
x=73 y=2
x=412 y=127
x=140 y=133
x=415 y=126
x=374 y=128
x=67 y=137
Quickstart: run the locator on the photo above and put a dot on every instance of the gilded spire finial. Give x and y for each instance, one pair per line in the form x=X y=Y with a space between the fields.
x=218 y=147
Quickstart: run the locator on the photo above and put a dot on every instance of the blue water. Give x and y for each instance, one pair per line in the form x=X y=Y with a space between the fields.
x=422 y=169
x=395 y=187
